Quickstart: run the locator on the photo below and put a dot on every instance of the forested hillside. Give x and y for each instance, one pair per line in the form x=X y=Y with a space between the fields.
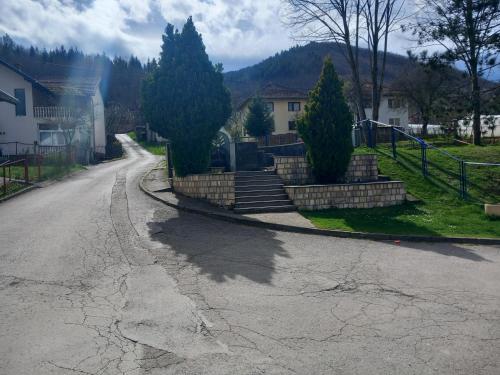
x=120 y=79
x=300 y=67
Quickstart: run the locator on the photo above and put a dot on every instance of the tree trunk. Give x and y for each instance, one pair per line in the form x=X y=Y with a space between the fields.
x=425 y=123
x=476 y=109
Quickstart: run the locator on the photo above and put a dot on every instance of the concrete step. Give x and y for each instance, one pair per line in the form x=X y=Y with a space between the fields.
x=269 y=203
x=259 y=182
x=258 y=187
x=256 y=192
x=255 y=173
x=264 y=209
x=244 y=179
x=261 y=198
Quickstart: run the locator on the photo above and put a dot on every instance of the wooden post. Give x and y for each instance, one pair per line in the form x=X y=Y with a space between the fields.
x=26 y=173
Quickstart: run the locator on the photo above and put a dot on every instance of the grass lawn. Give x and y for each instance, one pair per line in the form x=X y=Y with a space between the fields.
x=49 y=171
x=12 y=188
x=154 y=147
x=440 y=211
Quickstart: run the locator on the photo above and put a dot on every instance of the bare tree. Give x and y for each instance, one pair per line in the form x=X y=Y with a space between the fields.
x=381 y=17
x=117 y=116
x=347 y=23
x=469 y=31
x=425 y=83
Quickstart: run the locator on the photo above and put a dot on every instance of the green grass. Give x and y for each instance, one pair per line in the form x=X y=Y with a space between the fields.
x=440 y=212
x=49 y=171
x=12 y=187
x=154 y=147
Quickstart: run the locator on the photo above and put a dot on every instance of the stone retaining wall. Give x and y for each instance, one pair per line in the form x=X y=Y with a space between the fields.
x=362 y=195
x=217 y=188
x=294 y=170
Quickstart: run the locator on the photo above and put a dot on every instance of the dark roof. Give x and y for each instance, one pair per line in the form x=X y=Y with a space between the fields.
x=79 y=86
x=27 y=77
x=5 y=97
x=273 y=91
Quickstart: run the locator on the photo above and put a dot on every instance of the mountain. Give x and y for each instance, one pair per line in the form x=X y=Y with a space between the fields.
x=300 y=67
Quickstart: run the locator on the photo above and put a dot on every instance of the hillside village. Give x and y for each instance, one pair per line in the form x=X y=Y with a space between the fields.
x=331 y=208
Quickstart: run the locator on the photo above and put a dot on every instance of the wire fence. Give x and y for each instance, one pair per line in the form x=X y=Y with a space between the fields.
x=472 y=180
x=22 y=164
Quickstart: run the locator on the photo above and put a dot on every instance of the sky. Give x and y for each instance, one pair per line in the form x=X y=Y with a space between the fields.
x=237 y=33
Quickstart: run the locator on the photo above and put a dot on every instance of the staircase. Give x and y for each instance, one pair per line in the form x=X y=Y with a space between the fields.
x=260 y=191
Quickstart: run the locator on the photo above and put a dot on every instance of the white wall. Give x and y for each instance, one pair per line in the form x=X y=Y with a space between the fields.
x=99 y=122
x=385 y=113
x=16 y=128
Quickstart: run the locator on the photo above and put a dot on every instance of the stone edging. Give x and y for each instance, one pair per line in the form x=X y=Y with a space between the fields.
x=322 y=232
x=17 y=193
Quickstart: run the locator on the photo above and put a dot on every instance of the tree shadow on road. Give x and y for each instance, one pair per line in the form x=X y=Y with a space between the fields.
x=220 y=249
x=447 y=249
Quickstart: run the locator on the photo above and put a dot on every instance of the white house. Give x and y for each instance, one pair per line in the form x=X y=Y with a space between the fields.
x=393 y=110
x=42 y=106
x=287 y=104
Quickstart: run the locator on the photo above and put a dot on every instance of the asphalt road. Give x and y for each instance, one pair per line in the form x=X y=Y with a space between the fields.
x=98 y=278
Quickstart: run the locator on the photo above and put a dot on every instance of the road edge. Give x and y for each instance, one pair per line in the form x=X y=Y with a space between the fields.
x=316 y=231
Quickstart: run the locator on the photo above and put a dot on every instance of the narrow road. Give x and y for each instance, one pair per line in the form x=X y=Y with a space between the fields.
x=98 y=278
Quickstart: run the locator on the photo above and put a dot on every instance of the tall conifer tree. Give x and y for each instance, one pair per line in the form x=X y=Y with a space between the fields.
x=326 y=128
x=185 y=99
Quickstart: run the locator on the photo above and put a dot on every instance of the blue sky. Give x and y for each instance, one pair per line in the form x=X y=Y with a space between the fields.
x=237 y=33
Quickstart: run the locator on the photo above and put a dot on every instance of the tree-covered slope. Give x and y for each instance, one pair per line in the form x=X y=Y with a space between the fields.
x=300 y=67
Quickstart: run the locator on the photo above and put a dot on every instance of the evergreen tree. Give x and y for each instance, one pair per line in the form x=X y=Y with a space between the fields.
x=326 y=128
x=469 y=32
x=259 y=121
x=185 y=100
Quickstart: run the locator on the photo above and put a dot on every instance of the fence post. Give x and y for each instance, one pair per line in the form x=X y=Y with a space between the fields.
x=4 y=181
x=26 y=174
x=423 y=147
x=370 y=134
x=393 y=142
x=39 y=166
x=16 y=148
x=463 y=180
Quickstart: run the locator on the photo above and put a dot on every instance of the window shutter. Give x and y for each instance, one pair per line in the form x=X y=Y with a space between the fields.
x=20 y=95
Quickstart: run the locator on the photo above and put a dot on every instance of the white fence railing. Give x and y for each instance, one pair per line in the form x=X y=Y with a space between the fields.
x=52 y=112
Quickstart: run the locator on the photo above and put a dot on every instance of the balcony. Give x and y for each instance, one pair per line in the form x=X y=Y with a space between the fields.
x=53 y=113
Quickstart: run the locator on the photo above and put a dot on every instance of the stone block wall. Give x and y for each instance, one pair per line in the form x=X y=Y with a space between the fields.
x=361 y=195
x=217 y=188
x=294 y=170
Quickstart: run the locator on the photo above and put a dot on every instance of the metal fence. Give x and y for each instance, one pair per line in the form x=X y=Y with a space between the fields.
x=476 y=181
x=14 y=176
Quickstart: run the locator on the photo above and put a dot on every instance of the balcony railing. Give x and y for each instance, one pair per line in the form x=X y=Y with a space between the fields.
x=53 y=112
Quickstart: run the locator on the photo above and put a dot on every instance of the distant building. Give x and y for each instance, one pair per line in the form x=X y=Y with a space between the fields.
x=42 y=106
x=287 y=104
x=284 y=103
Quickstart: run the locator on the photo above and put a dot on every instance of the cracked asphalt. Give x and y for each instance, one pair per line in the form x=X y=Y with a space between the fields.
x=98 y=278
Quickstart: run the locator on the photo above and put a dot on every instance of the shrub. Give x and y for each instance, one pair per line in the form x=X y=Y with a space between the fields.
x=184 y=99
x=259 y=121
x=326 y=128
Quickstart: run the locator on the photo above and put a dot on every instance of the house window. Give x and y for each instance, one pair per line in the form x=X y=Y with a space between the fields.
x=50 y=135
x=293 y=106
x=395 y=121
x=20 y=95
x=270 y=106
x=292 y=125
x=394 y=103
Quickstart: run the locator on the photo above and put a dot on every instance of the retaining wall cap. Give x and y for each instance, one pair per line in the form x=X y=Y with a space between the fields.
x=315 y=231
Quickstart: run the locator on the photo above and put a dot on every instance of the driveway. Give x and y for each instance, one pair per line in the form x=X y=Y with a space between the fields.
x=98 y=278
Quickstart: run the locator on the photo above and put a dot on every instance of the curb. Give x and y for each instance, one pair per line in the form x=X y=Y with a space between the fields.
x=316 y=231
x=17 y=193
x=42 y=184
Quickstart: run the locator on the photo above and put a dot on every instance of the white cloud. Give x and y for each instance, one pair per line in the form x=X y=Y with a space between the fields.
x=235 y=32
